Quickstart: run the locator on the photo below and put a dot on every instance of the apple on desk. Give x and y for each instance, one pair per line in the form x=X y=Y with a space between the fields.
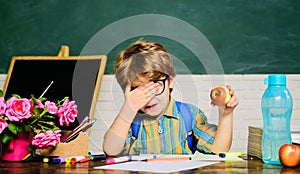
x=289 y=155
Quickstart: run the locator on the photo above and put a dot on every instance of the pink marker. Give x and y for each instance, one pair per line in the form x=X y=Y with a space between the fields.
x=118 y=160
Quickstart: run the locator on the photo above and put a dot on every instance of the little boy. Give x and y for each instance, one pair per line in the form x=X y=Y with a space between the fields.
x=151 y=120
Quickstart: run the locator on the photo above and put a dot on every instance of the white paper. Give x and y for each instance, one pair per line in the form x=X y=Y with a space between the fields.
x=198 y=160
x=158 y=167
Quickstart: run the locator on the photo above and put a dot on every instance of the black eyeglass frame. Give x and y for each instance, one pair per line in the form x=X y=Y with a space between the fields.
x=155 y=81
x=164 y=83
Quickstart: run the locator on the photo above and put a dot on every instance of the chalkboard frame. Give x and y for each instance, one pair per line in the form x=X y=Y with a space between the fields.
x=20 y=64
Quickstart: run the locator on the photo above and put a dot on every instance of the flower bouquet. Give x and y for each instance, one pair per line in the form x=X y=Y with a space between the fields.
x=38 y=118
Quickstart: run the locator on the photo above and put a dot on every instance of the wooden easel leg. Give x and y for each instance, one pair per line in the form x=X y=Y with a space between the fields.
x=64 y=51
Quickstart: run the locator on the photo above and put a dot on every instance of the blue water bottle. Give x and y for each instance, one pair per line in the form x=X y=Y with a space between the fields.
x=277 y=106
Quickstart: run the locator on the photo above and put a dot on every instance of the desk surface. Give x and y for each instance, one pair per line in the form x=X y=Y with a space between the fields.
x=252 y=165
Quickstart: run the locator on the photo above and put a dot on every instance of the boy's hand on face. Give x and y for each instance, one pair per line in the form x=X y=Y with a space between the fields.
x=141 y=95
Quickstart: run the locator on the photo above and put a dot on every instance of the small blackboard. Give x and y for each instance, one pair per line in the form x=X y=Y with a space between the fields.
x=78 y=77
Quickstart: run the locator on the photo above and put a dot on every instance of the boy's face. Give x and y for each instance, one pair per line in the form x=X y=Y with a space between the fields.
x=158 y=104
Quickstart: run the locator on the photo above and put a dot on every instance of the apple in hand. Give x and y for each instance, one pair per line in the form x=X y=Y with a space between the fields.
x=220 y=95
x=289 y=155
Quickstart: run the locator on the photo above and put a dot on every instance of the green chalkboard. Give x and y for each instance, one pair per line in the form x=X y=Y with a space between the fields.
x=203 y=36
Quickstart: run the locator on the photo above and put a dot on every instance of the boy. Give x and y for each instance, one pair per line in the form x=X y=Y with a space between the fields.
x=146 y=74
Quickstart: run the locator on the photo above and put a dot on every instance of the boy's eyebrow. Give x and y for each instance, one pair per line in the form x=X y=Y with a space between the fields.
x=137 y=85
x=160 y=79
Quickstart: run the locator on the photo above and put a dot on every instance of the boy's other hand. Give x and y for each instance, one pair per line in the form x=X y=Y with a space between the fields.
x=231 y=105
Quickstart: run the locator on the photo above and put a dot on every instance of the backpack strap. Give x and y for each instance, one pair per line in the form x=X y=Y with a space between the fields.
x=135 y=127
x=187 y=116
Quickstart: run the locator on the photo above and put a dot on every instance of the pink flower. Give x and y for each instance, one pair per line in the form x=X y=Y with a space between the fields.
x=45 y=140
x=18 y=109
x=2 y=106
x=40 y=104
x=3 y=125
x=67 y=112
x=52 y=108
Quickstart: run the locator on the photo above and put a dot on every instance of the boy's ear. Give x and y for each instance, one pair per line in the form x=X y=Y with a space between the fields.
x=171 y=82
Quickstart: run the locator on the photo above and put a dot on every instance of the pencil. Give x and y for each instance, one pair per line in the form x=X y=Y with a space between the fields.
x=230 y=154
x=168 y=159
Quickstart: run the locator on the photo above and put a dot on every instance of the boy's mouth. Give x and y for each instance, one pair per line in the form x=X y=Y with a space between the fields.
x=149 y=107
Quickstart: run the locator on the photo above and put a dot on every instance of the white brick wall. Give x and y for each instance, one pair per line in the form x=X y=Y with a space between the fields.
x=195 y=89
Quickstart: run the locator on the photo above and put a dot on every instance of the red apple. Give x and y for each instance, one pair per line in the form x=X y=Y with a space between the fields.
x=220 y=95
x=289 y=155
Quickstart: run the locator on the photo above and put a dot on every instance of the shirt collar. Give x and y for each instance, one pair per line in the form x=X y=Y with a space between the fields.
x=171 y=110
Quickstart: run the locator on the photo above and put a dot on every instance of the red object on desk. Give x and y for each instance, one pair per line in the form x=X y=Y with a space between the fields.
x=85 y=160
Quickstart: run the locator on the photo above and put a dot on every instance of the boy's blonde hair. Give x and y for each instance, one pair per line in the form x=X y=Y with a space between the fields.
x=142 y=57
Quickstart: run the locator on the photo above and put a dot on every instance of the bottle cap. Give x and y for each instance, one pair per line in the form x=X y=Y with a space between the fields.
x=275 y=79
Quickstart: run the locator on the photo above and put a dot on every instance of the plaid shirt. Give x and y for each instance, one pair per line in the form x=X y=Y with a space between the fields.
x=167 y=135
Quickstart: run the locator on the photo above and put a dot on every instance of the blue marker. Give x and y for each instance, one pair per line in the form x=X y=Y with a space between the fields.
x=59 y=160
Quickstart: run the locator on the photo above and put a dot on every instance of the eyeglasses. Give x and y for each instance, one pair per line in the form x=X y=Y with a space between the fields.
x=161 y=85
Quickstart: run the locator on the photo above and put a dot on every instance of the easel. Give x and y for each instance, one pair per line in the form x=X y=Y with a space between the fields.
x=93 y=74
